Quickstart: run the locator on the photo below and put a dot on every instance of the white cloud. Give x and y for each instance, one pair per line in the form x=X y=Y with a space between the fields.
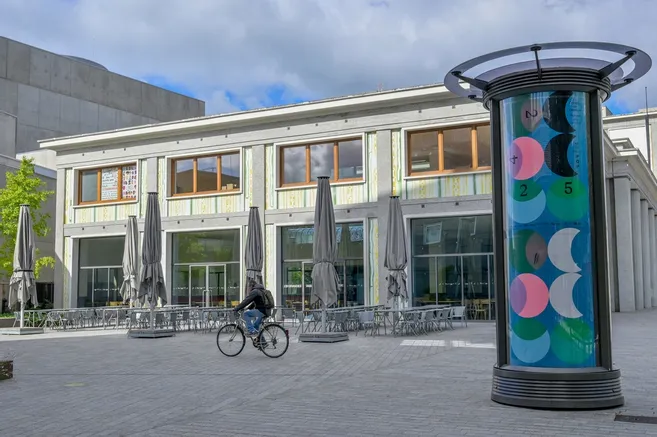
x=316 y=48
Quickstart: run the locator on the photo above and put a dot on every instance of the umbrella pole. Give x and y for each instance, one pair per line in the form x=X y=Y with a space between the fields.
x=323 y=317
x=152 y=309
x=22 y=314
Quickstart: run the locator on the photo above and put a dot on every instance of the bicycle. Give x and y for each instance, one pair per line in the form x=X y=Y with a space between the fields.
x=265 y=340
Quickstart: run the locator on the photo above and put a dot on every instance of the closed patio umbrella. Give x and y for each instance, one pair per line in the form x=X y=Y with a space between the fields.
x=396 y=256
x=325 y=248
x=253 y=254
x=22 y=285
x=152 y=278
x=130 y=262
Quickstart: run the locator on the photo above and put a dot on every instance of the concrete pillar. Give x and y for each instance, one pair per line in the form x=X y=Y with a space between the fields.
x=653 y=255
x=60 y=269
x=645 y=247
x=384 y=190
x=624 y=254
x=637 y=250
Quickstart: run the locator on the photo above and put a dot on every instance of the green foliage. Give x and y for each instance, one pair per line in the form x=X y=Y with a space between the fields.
x=22 y=187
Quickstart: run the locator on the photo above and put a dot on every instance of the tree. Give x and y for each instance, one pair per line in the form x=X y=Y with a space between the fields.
x=22 y=187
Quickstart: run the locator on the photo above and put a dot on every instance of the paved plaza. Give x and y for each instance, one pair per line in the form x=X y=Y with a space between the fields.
x=433 y=385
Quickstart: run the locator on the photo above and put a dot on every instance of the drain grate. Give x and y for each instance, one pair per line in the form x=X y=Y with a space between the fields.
x=652 y=420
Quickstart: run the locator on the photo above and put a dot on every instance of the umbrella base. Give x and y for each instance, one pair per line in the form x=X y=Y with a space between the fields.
x=323 y=337
x=21 y=331
x=151 y=333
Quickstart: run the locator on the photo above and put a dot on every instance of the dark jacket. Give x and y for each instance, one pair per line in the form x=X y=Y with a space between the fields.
x=255 y=296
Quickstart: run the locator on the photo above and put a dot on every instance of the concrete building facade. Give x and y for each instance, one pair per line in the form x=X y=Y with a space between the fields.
x=423 y=144
x=45 y=95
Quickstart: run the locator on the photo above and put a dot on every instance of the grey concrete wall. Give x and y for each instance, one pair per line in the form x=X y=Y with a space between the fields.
x=55 y=96
x=8 y=131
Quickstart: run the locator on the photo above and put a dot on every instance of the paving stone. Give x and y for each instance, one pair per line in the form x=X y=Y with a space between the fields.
x=82 y=384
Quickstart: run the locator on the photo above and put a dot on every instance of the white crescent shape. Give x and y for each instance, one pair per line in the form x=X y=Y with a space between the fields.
x=561 y=295
x=560 y=250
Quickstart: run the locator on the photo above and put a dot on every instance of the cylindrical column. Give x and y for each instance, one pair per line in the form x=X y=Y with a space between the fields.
x=645 y=249
x=624 y=252
x=554 y=253
x=549 y=221
x=637 y=249
x=653 y=255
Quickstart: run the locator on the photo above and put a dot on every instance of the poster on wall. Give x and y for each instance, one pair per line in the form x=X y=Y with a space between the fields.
x=433 y=234
x=109 y=184
x=129 y=189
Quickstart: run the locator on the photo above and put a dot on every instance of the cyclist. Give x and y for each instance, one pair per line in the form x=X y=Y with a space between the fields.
x=253 y=317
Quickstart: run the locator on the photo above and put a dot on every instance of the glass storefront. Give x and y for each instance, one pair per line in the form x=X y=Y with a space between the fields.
x=206 y=268
x=297 y=265
x=100 y=273
x=452 y=263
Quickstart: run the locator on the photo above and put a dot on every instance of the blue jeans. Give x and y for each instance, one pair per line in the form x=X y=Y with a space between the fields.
x=253 y=318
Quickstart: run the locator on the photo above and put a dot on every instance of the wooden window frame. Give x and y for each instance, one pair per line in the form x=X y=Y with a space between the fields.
x=99 y=171
x=441 y=158
x=195 y=158
x=336 y=162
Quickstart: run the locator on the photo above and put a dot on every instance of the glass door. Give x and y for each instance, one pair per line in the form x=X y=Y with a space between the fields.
x=197 y=285
x=307 y=284
x=216 y=290
x=292 y=284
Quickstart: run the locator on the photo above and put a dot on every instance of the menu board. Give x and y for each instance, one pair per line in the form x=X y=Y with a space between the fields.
x=129 y=183
x=109 y=184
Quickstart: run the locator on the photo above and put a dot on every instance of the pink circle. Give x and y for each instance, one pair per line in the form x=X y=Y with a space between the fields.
x=517 y=295
x=533 y=157
x=537 y=295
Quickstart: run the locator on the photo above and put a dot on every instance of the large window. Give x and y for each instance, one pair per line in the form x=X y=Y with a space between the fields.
x=297 y=264
x=205 y=174
x=453 y=263
x=342 y=161
x=448 y=150
x=108 y=184
x=100 y=273
x=206 y=268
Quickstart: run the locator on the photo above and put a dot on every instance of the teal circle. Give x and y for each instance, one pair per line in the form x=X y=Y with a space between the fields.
x=572 y=341
x=523 y=191
x=567 y=199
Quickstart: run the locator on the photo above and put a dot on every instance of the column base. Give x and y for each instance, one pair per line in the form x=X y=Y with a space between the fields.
x=557 y=389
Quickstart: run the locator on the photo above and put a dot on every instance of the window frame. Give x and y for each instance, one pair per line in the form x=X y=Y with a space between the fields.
x=439 y=130
x=195 y=157
x=336 y=160
x=99 y=170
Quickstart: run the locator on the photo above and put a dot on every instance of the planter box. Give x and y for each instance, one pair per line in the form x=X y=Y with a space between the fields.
x=6 y=370
x=7 y=323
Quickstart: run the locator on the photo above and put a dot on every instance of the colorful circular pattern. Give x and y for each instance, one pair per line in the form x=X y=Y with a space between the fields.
x=526 y=158
x=531 y=114
x=530 y=340
x=527 y=251
x=567 y=199
x=528 y=295
x=527 y=203
x=572 y=341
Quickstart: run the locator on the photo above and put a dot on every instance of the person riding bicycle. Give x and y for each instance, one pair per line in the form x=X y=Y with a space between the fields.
x=253 y=317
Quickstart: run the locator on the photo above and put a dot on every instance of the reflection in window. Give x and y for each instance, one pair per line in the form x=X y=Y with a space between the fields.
x=202 y=175
x=109 y=184
x=483 y=146
x=449 y=235
x=457 y=149
x=100 y=272
x=339 y=160
x=448 y=150
x=206 y=247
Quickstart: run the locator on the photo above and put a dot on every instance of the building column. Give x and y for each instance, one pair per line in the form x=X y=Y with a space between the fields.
x=645 y=246
x=637 y=250
x=384 y=191
x=624 y=253
x=60 y=269
x=653 y=255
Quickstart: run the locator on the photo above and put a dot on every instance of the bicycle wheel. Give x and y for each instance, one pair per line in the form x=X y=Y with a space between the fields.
x=274 y=340
x=231 y=340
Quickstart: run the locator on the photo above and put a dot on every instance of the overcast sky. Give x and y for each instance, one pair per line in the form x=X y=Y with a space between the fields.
x=238 y=54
